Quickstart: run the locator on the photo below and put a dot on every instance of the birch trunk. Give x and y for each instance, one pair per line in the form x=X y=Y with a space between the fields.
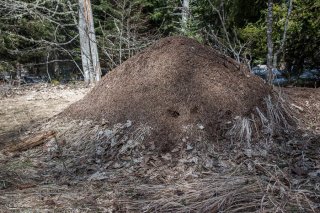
x=93 y=44
x=185 y=15
x=89 y=50
x=269 y=40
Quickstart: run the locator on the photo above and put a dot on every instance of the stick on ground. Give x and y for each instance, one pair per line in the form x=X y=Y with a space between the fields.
x=30 y=142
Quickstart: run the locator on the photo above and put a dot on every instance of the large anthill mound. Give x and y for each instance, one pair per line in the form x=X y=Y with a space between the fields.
x=175 y=83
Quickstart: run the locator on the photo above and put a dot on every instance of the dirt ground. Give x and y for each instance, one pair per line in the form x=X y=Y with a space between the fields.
x=31 y=105
x=305 y=102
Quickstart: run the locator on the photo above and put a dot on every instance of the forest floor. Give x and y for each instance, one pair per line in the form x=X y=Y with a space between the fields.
x=28 y=106
x=306 y=104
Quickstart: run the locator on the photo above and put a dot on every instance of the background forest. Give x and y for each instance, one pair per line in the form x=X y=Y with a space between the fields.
x=178 y=124
x=41 y=37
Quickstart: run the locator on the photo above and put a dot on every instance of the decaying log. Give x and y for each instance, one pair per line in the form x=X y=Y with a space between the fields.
x=30 y=142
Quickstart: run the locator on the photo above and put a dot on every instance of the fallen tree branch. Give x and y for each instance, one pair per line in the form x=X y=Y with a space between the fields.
x=30 y=142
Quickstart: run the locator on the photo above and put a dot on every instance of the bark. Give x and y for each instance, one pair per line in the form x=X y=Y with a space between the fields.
x=269 y=40
x=89 y=50
x=284 y=36
x=185 y=15
x=93 y=44
x=84 y=43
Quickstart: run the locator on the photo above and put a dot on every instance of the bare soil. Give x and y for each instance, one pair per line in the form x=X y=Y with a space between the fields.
x=26 y=106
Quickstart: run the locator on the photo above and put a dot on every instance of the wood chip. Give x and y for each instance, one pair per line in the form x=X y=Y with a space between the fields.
x=298 y=107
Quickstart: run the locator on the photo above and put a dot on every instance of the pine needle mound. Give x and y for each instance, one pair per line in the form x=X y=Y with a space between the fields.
x=173 y=86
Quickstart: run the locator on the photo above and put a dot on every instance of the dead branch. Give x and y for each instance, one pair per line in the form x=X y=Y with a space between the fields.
x=30 y=142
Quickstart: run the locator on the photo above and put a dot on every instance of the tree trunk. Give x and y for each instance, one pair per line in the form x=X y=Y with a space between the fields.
x=93 y=44
x=56 y=67
x=89 y=50
x=269 y=40
x=284 y=36
x=18 y=73
x=185 y=15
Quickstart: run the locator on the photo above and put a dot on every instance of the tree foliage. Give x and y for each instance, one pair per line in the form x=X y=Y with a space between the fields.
x=36 y=32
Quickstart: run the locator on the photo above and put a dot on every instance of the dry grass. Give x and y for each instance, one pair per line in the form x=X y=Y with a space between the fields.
x=274 y=119
x=268 y=190
x=237 y=192
x=242 y=131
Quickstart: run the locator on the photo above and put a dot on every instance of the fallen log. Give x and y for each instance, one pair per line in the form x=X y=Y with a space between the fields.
x=30 y=142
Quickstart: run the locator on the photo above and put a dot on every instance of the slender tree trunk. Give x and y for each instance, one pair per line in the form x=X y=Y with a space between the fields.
x=89 y=50
x=56 y=68
x=18 y=73
x=269 y=40
x=185 y=15
x=47 y=66
x=284 y=36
